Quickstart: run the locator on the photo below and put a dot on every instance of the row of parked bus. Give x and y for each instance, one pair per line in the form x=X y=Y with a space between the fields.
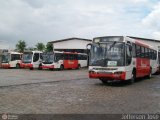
x=110 y=58
x=44 y=60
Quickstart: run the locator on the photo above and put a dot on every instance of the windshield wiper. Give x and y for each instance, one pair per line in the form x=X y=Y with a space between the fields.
x=112 y=45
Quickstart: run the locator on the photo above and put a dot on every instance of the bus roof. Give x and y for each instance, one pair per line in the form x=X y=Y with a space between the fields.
x=69 y=52
x=33 y=52
x=121 y=39
x=12 y=53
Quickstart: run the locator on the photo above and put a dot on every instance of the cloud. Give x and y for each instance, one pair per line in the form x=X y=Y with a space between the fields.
x=46 y=20
x=151 y=21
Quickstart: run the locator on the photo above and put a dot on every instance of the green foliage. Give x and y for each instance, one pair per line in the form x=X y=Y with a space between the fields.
x=30 y=49
x=40 y=46
x=49 y=47
x=20 y=46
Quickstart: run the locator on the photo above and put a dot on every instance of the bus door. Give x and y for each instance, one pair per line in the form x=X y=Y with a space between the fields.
x=36 y=60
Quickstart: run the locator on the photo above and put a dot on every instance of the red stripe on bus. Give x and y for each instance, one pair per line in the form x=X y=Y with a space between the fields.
x=26 y=65
x=6 y=65
x=47 y=67
x=108 y=76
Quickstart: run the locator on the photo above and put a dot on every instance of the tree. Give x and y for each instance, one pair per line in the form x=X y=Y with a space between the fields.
x=40 y=46
x=49 y=47
x=21 y=45
x=30 y=49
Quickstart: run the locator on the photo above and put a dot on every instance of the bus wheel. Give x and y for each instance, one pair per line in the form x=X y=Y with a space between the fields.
x=51 y=69
x=103 y=80
x=79 y=66
x=31 y=68
x=150 y=74
x=40 y=67
x=61 y=67
x=17 y=66
x=132 y=80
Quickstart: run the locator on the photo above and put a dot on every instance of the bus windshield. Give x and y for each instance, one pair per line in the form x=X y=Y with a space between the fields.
x=5 y=58
x=48 y=58
x=109 y=54
x=27 y=57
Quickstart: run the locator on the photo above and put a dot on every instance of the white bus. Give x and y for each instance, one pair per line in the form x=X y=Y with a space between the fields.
x=121 y=58
x=64 y=60
x=32 y=60
x=11 y=60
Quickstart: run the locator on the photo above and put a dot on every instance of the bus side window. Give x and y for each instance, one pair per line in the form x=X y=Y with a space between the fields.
x=128 y=55
x=59 y=56
x=41 y=56
x=142 y=52
x=138 y=51
x=133 y=50
x=36 y=57
x=79 y=57
x=155 y=55
x=159 y=56
x=84 y=57
x=66 y=57
x=146 y=53
x=152 y=55
x=149 y=53
x=76 y=56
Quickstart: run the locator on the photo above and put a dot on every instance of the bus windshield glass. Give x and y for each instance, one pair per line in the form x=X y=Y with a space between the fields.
x=27 y=57
x=48 y=58
x=5 y=58
x=109 y=54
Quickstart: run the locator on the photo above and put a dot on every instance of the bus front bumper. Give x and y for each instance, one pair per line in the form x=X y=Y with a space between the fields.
x=108 y=76
x=47 y=67
x=26 y=65
x=6 y=65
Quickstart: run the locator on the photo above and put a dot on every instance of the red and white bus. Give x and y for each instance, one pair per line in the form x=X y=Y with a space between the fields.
x=158 y=55
x=11 y=60
x=32 y=60
x=121 y=58
x=64 y=60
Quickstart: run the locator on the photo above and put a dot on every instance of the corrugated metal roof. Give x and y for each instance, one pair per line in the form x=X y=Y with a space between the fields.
x=55 y=41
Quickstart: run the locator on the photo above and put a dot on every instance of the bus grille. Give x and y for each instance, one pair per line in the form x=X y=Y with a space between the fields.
x=106 y=69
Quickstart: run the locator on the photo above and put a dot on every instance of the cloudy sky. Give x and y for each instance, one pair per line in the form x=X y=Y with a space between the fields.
x=46 y=20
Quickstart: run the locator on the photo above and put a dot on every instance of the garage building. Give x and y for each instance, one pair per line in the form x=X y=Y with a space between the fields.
x=71 y=45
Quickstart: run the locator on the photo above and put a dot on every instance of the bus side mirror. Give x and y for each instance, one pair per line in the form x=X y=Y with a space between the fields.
x=89 y=46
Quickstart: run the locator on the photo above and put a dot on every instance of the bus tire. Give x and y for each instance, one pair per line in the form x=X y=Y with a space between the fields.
x=150 y=74
x=17 y=66
x=104 y=81
x=61 y=67
x=132 y=80
x=31 y=68
x=51 y=69
x=79 y=66
x=40 y=67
